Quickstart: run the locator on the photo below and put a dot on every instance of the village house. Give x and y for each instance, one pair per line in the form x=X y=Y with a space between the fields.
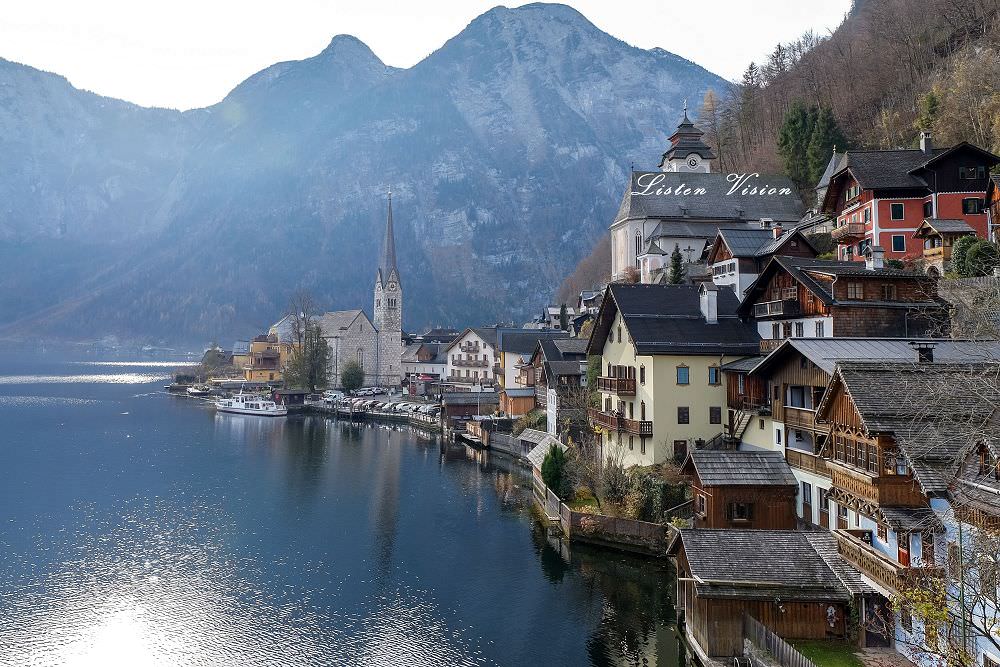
x=556 y=372
x=662 y=348
x=685 y=204
x=807 y=297
x=423 y=365
x=471 y=359
x=737 y=256
x=880 y=197
x=241 y=354
x=457 y=408
x=514 y=350
x=264 y=360
x=741 y=489
x=899 y=432
x=938 y=236
x=792 y=582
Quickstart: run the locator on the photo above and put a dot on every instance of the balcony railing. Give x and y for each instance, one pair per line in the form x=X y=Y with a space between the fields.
x=779 y=308
x=471 y=363
x=620 y=386
x=806 y=461
x=768 y=345
x=469 y=347
x=851 y=230
x=799 y=418
x=615 y=423
x=940 y=252
x=469 y=380
x=889 y=490
x=855 y=547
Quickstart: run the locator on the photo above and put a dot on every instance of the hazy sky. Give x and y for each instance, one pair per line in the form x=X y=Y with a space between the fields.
x=190 y=53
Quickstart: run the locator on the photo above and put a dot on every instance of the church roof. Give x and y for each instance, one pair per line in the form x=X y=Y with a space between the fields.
x=685 y=140
x=333 y=323
x=717 y=198
x=387 y=260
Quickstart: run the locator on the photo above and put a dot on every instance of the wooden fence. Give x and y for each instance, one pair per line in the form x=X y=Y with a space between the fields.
x=784 y=653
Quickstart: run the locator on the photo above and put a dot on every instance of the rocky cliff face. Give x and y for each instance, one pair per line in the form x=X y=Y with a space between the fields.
x=506 y=151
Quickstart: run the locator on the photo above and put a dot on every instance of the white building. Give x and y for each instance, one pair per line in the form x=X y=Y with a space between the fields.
x=471 y=359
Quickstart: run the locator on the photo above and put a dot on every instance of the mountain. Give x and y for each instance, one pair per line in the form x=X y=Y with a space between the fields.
x=505 y=150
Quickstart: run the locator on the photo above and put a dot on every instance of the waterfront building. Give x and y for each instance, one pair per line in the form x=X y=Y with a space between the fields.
x=471 y=360
x=264 y=360
x=423 y=365
x=686 y=203
x=514 y=349
x=241 y=354
x=737 y=256
x=662 y=348
x=807 y=297
x=794 y=583
x=556 y=371
x=741 y=489
x=880 y=197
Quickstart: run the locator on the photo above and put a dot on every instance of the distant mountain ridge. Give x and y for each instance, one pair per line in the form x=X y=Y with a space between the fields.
x=506 y=151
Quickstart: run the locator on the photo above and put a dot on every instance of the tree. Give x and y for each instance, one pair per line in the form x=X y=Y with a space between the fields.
x=793 y=142
x=309 y=358
x=825 y=137
x=928 y=112
x=676 y=275
x=352 y=377
x=981 y=258
x=554 y=471
x=959 y=251
x=563 y=317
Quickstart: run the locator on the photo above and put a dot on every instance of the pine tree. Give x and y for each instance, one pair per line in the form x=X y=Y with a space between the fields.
x=826 y=135
x=793 y=142
x=676 y=275
x=563 y=317
x=927 y=112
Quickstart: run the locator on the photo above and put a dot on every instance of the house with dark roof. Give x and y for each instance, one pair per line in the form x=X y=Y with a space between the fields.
x=792 y=582
x=899 y=434
x=741 y=489
x=556 y=371
x=938 y=235
x=471 y=360
x=685 y=204
x=737 y=256
x=423 y=365
x=800 y=297
x=880 y=197
x=661 y=349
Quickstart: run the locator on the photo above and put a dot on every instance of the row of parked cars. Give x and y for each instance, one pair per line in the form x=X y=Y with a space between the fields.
x=370 y=405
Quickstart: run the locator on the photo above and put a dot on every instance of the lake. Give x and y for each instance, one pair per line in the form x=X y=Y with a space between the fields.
x=139 y=528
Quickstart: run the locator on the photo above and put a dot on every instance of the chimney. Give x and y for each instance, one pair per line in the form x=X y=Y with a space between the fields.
x=875 y=258
x=776 y=230
x=708 y=296
x=924 y=350
x=926 y=146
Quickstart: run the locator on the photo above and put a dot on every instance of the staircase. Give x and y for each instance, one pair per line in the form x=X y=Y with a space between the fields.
x=739 y=427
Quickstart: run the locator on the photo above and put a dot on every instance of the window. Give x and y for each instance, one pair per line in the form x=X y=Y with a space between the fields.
x=740 y=511
x=852 y=192
x=972 y=206
x=867 y=215
x=713 y=375
x=642 y=410
x=799 y=329
x=683 y=415
x=775 y=331
x=898 y=243
x=700 y=508
x=638 y=245
x=820 y=325
x=741 y=384
x=619 y=333
x=786 y=329
x=642 y=445
x=642 y=375
x=760 y=424
x=824 y=501
x=807 y=493
x=972 y=173
x=683 y=375
x=896 y=211
x=777 y=436
x=928 y=209
x=715 y=415
x=856 y=291
x=883 y=533
x=888 y=292
x=631 y=442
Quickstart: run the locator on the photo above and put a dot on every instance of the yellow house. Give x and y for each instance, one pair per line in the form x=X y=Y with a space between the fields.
x=661 y=385
x=264 y=360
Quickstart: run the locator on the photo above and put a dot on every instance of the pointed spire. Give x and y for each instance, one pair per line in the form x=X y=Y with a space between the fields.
x=387 y=260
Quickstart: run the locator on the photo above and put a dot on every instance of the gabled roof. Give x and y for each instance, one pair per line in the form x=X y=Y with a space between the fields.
x=832 y=167
x=333 y=323
x=739 y=468
x=764 y=565
x=935 y=412
x=487 y=334
x=755 y=242
x=521 y=341
x=806 y=270
x=545 y=441
x=712 y=197
x=943 y=226
x=667 y=319
x=241 y=347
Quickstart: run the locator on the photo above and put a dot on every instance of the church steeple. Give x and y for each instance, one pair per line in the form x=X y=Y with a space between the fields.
x=387 y=260
x=687 y=151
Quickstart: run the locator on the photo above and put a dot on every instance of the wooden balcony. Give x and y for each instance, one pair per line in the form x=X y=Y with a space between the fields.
x=471 y=363
x=889 y=490
x=798 y=418
x=619 y=386
x=768 y=345
x=614 y=423
x=940 y=252
x=797 y=458
x=779 y=308
x=852 y=231
x=855 y=547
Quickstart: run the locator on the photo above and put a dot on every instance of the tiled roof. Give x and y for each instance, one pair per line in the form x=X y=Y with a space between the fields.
x=518 y=392
x=333 y=323
x=522 y=341
x=948 y=226
x=762 y=565
x=470 y=398
x=573 y=346
x=714 y=204
x=667 y=319
x=741 y=468
x=746 y=242
x=742 y=364
x=826 y=546
x=886 y=169
x=537 y=454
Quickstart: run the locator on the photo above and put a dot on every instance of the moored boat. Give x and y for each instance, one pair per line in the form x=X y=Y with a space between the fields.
x=199 y=390
x=251 y=404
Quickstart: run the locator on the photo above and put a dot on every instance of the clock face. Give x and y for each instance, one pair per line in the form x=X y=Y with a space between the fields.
x=693 y=160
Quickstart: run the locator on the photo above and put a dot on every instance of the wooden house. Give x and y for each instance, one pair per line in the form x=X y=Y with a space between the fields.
x=741 y=489
x=938 y=236
x=556 y=370
x=792 y=582
x=517 y=401
x=737 y=256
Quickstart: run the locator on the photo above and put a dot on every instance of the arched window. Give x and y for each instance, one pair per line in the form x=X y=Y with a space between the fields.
x=378 y=303
x=638 y=247
x=361 y=357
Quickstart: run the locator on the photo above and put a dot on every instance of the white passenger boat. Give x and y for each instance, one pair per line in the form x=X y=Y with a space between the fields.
x=251 y=404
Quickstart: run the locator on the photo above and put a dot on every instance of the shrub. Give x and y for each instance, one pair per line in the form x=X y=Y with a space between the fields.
x=534 y=419
x=554 y=472
x=353 y=376
x=958 y=254
x=980 y=259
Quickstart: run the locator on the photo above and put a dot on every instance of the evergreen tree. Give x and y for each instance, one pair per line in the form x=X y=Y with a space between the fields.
x=959 y=252
x=676 y=275
x=825 y=136
x=793 y=142
x=352 y=377
x=563 y=317
x=927 y=112
x=981 y=259
x=554 y=471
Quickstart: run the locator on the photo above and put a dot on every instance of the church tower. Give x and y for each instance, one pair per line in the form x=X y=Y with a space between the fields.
x=687 y=151
x=388 y=310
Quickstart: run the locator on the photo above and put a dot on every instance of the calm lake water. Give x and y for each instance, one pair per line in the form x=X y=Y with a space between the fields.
x=138 y=528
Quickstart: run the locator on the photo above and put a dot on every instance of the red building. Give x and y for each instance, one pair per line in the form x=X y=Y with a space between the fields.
x=880 y=198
